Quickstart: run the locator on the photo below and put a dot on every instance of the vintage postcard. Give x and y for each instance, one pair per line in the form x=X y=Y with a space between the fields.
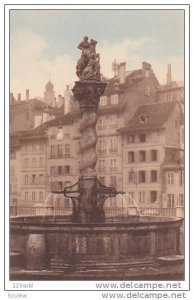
x=97 y=107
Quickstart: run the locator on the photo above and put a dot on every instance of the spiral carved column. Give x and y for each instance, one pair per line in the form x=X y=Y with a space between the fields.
x=88 y=93
x=88 y=142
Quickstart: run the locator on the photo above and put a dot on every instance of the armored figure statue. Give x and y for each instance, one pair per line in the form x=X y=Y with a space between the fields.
x=84 y=45
x=88 y=66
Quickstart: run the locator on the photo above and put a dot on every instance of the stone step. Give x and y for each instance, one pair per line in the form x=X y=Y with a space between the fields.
x=116 y=264
x=170 y=260
x=16 y=260
x=58 y=263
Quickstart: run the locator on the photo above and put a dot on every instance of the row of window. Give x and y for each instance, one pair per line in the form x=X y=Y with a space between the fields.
x=142 y=137
x=59 y=170
x=171 y=96
x=57 y=151
x=34 y=196
x=170 y=178
x=113 y=99
x=142 y=156
x=34 y=146
x=153 y=197
x=142 y=176
x=34 y=162
x=34 y=179
x=102 y=165
x=172 y=202
x=103 y=144
x=132 y=138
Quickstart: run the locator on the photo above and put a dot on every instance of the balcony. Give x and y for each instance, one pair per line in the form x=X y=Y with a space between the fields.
x=102 y=169
x=113 y=150
x=60 y=156
x=101 y=151
x=113 y=169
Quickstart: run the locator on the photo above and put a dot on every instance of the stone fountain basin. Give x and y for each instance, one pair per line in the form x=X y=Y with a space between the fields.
x=57 y=244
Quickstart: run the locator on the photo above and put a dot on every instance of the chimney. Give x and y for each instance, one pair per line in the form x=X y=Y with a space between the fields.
x=121 y=72
x=67 y=100
x=146 y=67
x=19 y=97
x=114 y=67
x=27 y=95
x=169 y=76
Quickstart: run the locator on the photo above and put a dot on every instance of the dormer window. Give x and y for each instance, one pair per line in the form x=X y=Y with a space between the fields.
x=103 y=101
x=142 y=119
x=116 y=86
x=114 y=99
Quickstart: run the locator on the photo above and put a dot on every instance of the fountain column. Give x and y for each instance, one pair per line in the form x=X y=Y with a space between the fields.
x=87 y=91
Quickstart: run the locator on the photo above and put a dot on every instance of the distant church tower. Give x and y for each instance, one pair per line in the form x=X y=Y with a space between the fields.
x=49 y=94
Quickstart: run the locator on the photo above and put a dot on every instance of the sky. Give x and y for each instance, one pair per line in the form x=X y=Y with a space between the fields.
x=43 y=44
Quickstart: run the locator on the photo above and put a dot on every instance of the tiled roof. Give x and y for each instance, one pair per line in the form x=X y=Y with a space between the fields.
x=40 y=131
x=23 y=106
x=131 y=79
x=62 y=120
x=156 y=114
x=109 y=109
x=37 y=132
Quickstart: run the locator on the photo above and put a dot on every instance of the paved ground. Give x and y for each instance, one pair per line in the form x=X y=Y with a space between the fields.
x=156 y=272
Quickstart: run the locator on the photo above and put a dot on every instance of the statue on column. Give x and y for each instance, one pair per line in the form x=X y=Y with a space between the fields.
x=88 y=66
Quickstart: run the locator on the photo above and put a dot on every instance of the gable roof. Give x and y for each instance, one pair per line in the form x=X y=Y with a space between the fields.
x=156 y=114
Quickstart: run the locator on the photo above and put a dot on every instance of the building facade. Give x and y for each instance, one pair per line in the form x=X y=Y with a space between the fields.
x=15 y=171
x=34 y=177
x=150 y=139
x=139 y=137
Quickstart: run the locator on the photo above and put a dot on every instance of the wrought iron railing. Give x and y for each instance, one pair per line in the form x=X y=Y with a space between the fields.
x=109 y=211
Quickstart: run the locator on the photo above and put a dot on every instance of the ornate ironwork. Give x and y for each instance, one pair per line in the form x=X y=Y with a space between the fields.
x=99 y=193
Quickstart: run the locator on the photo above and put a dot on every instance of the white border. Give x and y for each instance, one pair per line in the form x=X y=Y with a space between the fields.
x=90 y=285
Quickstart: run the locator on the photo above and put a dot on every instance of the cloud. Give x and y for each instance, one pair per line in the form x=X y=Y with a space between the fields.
x=123 y=51
x=30 y=67
x=130 y=51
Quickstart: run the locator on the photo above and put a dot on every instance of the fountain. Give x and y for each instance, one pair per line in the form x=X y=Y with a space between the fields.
x=88 y=244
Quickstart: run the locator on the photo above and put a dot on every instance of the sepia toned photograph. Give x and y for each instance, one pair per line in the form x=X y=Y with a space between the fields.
x=96 y=156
